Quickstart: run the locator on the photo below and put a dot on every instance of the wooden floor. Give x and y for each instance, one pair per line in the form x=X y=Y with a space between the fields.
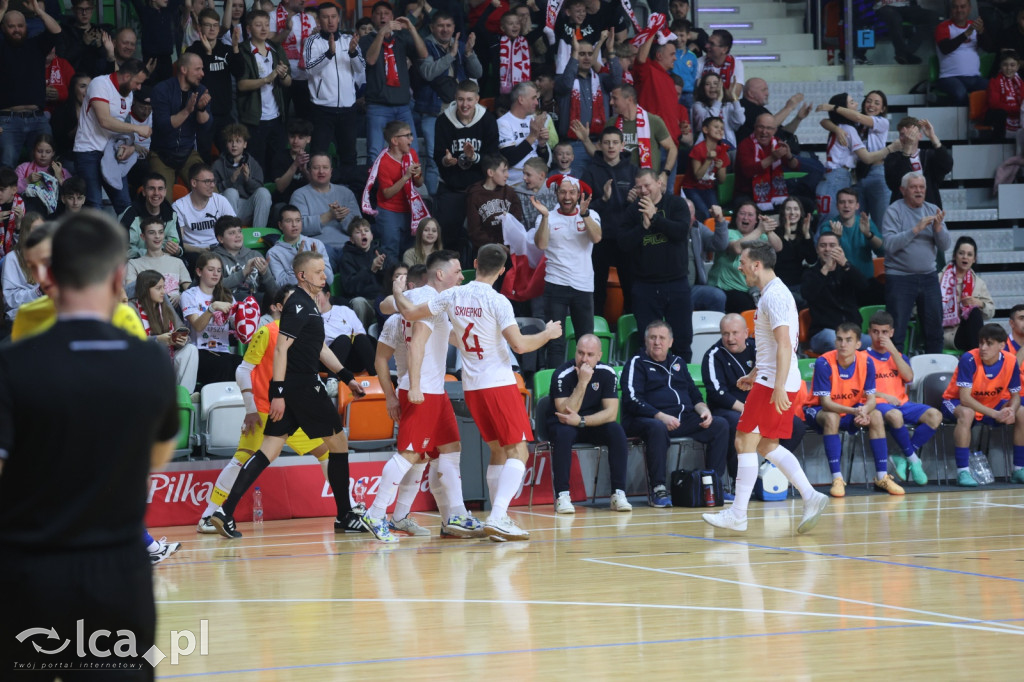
x=929 y=587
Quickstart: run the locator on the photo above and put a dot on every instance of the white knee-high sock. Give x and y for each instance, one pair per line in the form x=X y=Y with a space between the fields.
x=493 y=472
x=437 y=490
x=746 y=476
x=451 y=479
x=509 y=480
x=786 y=462
x=390 y=478
x=407 y=490
x=222 y=487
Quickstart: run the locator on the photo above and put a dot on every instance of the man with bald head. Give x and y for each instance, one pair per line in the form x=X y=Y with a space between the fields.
x=585 y=408
x=755 y=102
x=23 y=80
x=180 y=112
x=723 y=365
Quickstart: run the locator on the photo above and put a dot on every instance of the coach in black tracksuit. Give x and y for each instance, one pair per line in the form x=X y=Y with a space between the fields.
x=654 y=236
x=723 y=365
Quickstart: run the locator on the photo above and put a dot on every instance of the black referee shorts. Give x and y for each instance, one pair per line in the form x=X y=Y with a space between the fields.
x=106 y=589
x=306 y=406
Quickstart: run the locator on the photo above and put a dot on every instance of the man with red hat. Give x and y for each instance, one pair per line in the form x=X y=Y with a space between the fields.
x=567 y=237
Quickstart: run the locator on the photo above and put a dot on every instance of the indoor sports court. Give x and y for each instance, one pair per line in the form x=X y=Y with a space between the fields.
x=925 y=587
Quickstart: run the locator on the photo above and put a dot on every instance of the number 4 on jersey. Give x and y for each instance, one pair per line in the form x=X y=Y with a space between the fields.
x=475 y=348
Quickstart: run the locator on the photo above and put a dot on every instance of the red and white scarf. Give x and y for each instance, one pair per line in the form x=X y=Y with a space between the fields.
x=514 y=62
x=952 y=311
x=596 y=105
x=555 y=6
x=416 y=205
x=293 y=44
x=727 y=71
x=390 y=64
x=1010 y=94
x=9 y=228
x=657 y=24
x=769 y=185
x=643 y=136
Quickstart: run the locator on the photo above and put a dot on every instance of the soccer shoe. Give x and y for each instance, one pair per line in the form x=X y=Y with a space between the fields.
x=379 y=528
x=726 y=519
x=619 y=502
x=463 y=526
x=563 y=505
x=505 y=529
x=889 y=485
x=660 y=497
x=407 y=525
x=838 y=488
x=899 y=463
x=205 y=527
x=1017 y=476
x=165 y=550
x=812 y=512
x=917 y=474
x=225 y=525
x=965 y=480
x=351 y=522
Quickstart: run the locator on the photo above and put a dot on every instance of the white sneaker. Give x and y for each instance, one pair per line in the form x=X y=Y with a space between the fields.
x=165 y=550
x=726 y=519
x=407 y=525
x=501 y=530
x=563 y=505
x=205 y=527
x=620 y=503
x=812 y=512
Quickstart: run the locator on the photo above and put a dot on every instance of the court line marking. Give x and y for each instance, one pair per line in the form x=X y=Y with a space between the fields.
x=799 y=561
x=870 y=560
x=994 y=504
x=1016 y=629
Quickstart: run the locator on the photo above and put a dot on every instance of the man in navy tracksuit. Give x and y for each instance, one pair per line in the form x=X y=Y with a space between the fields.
x=724 y=363
x=660 y=401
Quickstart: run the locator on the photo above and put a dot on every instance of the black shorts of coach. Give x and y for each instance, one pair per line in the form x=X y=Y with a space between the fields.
x=306 y=406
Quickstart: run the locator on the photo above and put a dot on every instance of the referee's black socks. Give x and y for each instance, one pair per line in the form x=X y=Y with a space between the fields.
x=246 y=477
x=337 y=476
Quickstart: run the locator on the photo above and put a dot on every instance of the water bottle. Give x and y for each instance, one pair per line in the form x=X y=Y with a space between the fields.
x=980 y=469
x=257 y=506
x=709 y=491
x=359 y=491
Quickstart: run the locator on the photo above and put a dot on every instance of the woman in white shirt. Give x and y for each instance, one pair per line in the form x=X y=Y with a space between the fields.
x=845 y=149
x=873 y=127
x=19 y=286
x=207 y=307
x=711 y=100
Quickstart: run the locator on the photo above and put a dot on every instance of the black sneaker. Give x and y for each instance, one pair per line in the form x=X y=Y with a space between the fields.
x=225 y=525
x=351 y=523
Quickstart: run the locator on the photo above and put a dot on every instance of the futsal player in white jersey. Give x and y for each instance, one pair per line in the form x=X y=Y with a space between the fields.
x=773 y=383
x=483 y=320
x=427 y=425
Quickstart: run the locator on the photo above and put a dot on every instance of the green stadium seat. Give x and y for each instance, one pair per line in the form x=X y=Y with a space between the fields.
x=541 y=384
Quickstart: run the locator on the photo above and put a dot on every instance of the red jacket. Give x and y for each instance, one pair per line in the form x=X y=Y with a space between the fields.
x=657 y=93
x=58 y=76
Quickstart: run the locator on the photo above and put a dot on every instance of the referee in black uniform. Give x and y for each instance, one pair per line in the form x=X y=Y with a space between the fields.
x=85 y=412
x=298 y=399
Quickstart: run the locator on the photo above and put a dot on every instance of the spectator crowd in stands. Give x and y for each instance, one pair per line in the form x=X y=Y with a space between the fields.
x=609 y=144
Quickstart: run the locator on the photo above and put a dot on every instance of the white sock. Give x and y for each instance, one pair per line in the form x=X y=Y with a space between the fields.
x=225 y=480
x=913 y=458
x=746 y=477
x=786 y=462
x=451 y=478
x=391 y=476
x=407 y=490
x=959 y=469
x=509 y=480
x=1017 y=468
x=493 y=472
x=438 y=491
x=153 y=546
x=836 y=475
x=879 y=475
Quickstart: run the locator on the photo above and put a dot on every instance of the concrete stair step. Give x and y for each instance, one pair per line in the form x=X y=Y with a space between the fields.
x=739 y=10
x=751 y=44
x=739 y=27
x=790 y=58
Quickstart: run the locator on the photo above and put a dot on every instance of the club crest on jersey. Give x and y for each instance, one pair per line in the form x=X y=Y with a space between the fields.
x=596 y=385
x=750 y=363
x=676 y=367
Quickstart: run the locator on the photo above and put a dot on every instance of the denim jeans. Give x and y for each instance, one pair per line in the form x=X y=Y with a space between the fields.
x=902 y=292
x=88 y=164
x=958 y=87
x=580 y=158
x=379 y=115
x=707 y=297
x=669 y=301
x=394 y=232
x=19 y=132
x=874 y=193
x=425 y=125
x=703 y=200
x=834 y=180
x=560 y=301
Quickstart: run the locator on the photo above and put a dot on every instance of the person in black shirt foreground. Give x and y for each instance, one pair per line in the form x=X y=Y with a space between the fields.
x=78 y=555
x=297 y=396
